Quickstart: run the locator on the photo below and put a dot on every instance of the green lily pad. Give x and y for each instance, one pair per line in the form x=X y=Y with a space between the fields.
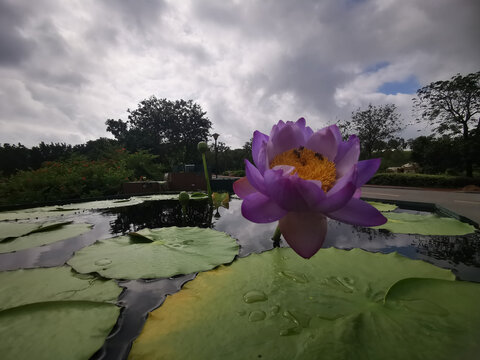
x=55 y=313
x=156 y=253
x=405 y=223
x=36 y=213
x=57 y=232
x=382 y=206
x=102 y=204
x=198 y=196
x=9 y=230
x=50 y=211
x=343 y=304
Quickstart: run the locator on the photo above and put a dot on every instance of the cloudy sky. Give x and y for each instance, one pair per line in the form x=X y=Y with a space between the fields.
x=67 y=66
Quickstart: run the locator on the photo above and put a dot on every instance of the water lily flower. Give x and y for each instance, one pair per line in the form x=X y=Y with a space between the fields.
x=300 y=178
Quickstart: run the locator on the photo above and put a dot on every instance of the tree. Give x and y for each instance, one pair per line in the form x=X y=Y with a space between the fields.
x=436 y=155
x=171 y=129
x=450 y=106
x=374 y=126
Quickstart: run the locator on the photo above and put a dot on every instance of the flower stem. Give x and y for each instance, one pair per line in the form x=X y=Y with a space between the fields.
x=207 y=178
x=276 y=237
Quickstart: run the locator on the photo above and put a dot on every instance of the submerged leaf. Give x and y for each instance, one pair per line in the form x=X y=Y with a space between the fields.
x=54 y=313
x=56 y=232
x=405 y=223
x=156 y=253
x=382 y=206
x=276 y=305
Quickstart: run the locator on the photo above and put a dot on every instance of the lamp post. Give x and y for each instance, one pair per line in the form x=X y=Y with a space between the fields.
x=215 y=136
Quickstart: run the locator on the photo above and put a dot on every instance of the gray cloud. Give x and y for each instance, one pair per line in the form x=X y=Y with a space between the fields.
x=66 y=67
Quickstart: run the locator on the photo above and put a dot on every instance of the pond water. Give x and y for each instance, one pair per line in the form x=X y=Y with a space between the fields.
x=461 y=254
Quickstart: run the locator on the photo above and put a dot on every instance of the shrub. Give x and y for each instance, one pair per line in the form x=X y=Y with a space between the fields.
x=423 y=180
x=71 y=179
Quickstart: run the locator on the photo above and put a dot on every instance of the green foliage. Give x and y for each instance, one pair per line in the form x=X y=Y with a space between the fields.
x=423 y=180
x=374 y=126
x=145 y=165
x=78 y=178
x=442 y=155
x=392 y=158
x=170 y=129
x=452 y=107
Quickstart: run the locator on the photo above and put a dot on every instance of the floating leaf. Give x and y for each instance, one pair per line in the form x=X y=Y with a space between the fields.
x=59 y=231
x=50 y=211
x=35 y=213
x=276 y=305
x=405 y=223
x=9 y=230
x=54 y=313
x=156 y=253
x=382 y=206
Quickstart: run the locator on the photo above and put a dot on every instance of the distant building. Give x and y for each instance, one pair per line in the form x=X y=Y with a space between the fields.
x=409 y=168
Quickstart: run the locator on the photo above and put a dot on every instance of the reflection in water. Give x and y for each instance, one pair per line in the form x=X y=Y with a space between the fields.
x=156 y=214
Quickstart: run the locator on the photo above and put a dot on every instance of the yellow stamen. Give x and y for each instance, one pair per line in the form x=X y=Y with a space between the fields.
x=309 y=165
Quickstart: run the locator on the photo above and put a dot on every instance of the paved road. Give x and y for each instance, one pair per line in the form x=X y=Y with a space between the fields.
x=463 y=203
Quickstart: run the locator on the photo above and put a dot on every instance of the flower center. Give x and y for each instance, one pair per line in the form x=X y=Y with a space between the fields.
x=309 y=165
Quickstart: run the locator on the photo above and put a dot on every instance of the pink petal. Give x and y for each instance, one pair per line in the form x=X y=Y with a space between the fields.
x=341 y=193
x=304 y=232
x=366 y=169
x=289 y=137
x=259 y=151
x=254 y=177
x=324 y=143
x=243 y=188
x=358 y=212
x=259 y=208
x=291 y=192
x=350 y=158
x=357 y=193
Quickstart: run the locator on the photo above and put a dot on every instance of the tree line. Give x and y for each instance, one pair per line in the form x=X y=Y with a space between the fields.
x=170 y=130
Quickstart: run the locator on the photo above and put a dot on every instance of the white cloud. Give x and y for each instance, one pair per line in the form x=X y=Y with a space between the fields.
x=75 y=64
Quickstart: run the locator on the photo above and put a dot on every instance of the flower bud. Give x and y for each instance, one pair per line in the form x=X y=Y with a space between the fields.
x=202 y=147
x=183 y=197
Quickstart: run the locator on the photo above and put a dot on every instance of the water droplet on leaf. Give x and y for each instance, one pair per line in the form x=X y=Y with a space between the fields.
x=254 y=296
x=103 y=262
x=257 y=315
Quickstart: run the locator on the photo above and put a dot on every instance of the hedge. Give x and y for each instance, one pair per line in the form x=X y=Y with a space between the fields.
x=423 y=180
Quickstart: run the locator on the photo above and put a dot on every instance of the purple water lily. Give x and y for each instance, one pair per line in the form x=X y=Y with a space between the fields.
x=302 y=177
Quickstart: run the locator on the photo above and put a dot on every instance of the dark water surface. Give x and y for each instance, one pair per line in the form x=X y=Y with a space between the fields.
x=461 y=254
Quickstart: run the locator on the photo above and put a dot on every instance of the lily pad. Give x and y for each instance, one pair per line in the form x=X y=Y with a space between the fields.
x=50 y=211
x=36 y=213
x=55 y=313
x=382 y=206
x=198 y=196
x=9 y=230
x=156 y=253
x=346 y=304
x=61 y=231
x=405 y=223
